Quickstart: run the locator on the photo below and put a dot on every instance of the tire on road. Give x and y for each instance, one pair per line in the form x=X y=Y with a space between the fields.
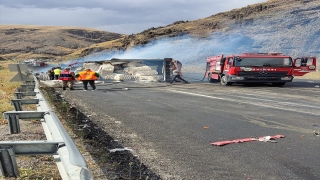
x=224 y=81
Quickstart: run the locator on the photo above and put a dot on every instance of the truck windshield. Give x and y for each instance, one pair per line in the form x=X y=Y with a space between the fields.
x=264 y=62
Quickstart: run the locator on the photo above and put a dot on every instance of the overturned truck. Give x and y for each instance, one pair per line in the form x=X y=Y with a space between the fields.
x=152 y=70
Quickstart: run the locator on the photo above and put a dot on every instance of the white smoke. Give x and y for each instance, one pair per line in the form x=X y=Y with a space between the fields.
x=189 y=50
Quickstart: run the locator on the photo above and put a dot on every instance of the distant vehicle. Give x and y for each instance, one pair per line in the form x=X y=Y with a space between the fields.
x=73 y=64
x=39 y=63
x=35 y=63
x=274 y=68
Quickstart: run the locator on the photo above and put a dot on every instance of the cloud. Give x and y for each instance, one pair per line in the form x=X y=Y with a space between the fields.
x=122 y=16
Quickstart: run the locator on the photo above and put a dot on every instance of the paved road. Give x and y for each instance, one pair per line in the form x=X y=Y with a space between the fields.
x=165 y=125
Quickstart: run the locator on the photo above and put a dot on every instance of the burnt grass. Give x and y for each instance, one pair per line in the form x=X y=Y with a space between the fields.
x=114 y=165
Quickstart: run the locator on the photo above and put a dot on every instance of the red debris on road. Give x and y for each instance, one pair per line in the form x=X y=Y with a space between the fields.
x=264 y=139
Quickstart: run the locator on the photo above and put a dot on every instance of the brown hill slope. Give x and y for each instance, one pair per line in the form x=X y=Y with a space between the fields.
x=23 y=42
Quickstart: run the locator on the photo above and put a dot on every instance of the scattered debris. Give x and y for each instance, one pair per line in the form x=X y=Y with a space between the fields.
x=266 y=139
x=86 y=126
x=261 y=139
x=316 y=125
x=120 y=149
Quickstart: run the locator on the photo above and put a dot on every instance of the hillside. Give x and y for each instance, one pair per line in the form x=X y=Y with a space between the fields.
x=23 y=42
x=289 y=26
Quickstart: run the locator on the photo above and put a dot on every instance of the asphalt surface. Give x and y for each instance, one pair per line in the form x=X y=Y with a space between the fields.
x=170 y=127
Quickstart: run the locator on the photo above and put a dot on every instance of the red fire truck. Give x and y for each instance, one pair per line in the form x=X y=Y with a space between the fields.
x=274 y=68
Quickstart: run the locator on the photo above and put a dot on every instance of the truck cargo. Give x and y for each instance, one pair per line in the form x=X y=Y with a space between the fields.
x=153 y=70
x=275 y=68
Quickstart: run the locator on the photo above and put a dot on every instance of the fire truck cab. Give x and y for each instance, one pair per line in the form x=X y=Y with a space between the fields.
x=274 y=68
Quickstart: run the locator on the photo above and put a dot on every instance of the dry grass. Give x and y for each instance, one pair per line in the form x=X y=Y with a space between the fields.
x=7 y=88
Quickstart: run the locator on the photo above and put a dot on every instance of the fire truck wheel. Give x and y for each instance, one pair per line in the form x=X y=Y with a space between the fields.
x=278 y=84
x=224 y=81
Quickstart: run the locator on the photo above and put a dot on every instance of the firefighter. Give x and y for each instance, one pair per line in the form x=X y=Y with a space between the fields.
x=88 y=76
x=67 y=77
x=176 y=71
x=57 y=72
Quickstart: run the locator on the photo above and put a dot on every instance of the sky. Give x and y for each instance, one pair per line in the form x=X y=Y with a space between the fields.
x=119 y=16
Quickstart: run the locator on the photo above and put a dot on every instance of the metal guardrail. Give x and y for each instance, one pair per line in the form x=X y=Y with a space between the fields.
x=69 y=160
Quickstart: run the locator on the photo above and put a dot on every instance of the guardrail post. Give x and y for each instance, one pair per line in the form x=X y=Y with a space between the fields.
x=18 y=102
x=14 y=116
x=8 y=150
x=19 y=95
x=28 y=86
x=16 y=105
x=30 y=82
x=23 y=89
x=13 y=121
x=32 y=147
x=8 y=165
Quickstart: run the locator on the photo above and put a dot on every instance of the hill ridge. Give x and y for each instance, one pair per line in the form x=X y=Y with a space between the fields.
x=257 y=23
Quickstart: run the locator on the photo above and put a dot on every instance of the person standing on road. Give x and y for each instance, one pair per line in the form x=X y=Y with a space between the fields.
x=88 y=76
x=51 y=73
x=67 y=77
x=176 y=71
x=57 y=72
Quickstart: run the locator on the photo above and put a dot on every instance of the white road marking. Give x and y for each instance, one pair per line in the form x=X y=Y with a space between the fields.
x=283 y=105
